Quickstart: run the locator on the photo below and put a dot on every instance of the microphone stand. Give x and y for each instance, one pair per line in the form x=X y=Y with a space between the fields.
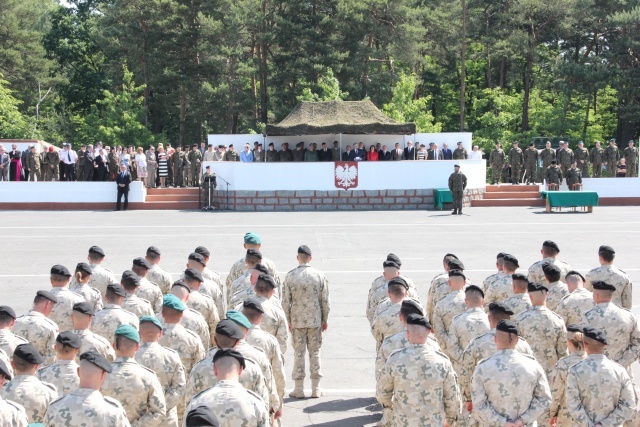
x=226 y=182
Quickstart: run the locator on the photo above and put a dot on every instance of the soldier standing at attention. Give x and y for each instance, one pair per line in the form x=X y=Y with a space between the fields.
x=530 y=164
x=51 y=165
x=557 y=289
x=177 y=164
x=11 y=413
x=63 y=373
x=612 y=275
x=516 y=158
x=502 y=288
x=547 y=155
x=305 y=301
x=509 y=388
x=457 y=184
x=108 y=319
x=553 y=175
x=81 y=317
x=582 y=158
x=86 y=405
x=573 y=176
x=156 y=274
x=611 y=158
x=596 y=158
x=37 y=328
x=549 y=252
x=418 y=382
x=578 y=302
x=385 y=321
x=100 y=276
x=496 y=163
x=520 y=301
x=251 y=241
x=60 y=279
x=33 y=164
x=448 y=308
x=271 y=154
x=630 y=155
x=195 y=166
x=615 y=400
x=460 y=153
x=80 y=286
x=565 y=157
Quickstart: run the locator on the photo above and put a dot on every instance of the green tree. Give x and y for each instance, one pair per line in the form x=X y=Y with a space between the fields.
x=404 y=107
x=12 y=123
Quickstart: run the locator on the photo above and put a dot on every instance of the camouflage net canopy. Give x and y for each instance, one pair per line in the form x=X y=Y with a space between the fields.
x=335 y=117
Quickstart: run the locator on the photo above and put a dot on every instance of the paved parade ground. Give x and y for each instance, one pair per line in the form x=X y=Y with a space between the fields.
x=348 y=246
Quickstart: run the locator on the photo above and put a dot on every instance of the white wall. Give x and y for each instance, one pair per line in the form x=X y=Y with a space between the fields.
x=319 y=175
x=71 y=192
x=607 y=187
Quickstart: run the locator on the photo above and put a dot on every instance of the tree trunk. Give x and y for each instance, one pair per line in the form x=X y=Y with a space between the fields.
x=503 y=66
x=487 y=48
x=586 y=120
x=183 y=114
x=463 y=53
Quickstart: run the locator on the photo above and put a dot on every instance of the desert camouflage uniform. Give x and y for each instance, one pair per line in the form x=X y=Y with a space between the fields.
x=546 y=334
x=269 y=345
x=212 y=276
x=547 y=155
x=32 y=393
x=596 y=158
x=488 y=282
x=613 y=276
x=204 y=305
x=519 y=303
x=386 y=322
x=9 y=341
x=151 y=292
x=600 y=392
x=305 y=301
x=39 y=331
x=557 y=291
x=185 y=342
x=169 y=370
x=530 y=163
x=421 y=386
x=101 y=278
x=378 y=293
x=63 y=374
x=574 y=305
x=499 y=291
x=254 y=353
x=233 y=405
x=611 y=156
x=61 y=313
x=274 y=321
x=465 y=328
x=582 y=158
x=446 y=309
x=106 y=321
x=620 y=327
x=91 y=341
x=553 y=175
x=12 y=414
x=536 y=274
x=202 y=378
x=396 y=342
x=7 y=361
x=90 y=295
x=86 y=407
x=139 y=391
x=516 y=157
x=214 y=290
x=439 y=289
x=481 y=348
x=240 y=285
x=239 y=268
x=137 y=306
x=160 y=277
x=630 y=155
x=508 y=386
x=496 y=162
x=194 y=322
x=557 y=381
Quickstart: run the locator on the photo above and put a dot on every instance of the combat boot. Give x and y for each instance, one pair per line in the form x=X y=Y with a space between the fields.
x=298 y=390
x=460 y=211
x=455 y=211
x=315 y=388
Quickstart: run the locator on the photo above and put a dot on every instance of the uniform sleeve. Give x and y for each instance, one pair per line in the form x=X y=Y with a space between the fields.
x=175 y=391
x=156 y=406
x=277 y=364
x=324 y=300
x=561 y=343
x=198 y=353
x=556 y=382
x=625 y=408
x=574 y=402
x=626 y=296
x=464 y=181
x=540 y=403
x=631 y=353
x=431 y=304
x=453 y=346
x=451 y=397
x=439 y=329
x=370 y=306
x=450 y=182
x=468 y=364
x=286 y=298
x=282 y=335
x=385 y=386
x=481 y=406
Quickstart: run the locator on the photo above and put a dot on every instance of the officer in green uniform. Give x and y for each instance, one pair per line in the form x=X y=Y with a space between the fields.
x=516 y=158
x=581 y=155
x=496 y=163
x=209 y=185
x=631 y=159
x=596 y=158
x=611 y=158
x=195 y=166
x=573 y=176
x=530 y=163
x=547 y=155
x=457 y=184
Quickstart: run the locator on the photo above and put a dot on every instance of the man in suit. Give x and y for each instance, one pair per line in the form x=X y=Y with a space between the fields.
x=384 y=154
x=397 y=154
x=409 y=151
x=90 y=165
x=447 y=154
x=123 y=180
x=361 y=152
x=324 y=154
x=435 y=153
x=346 y=156
x=5 y=165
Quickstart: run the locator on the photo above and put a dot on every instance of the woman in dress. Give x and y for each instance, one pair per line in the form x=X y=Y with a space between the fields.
x=422 y=153
x=163 y=168
x=141 y=165
x=372 y=155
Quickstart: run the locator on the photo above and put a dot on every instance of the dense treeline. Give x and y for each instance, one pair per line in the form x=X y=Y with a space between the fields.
x=135 y=71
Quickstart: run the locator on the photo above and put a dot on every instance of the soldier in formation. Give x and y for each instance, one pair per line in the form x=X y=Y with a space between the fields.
x=553 y=175
x=630 y=155
x=457 y=185
x=530 y=164
x=547 y=155
x=496 y=163
x=516 y=159
x=574 y=177
x=610 y=158
x=581 y=156
x=564 y=156
x=596 y=157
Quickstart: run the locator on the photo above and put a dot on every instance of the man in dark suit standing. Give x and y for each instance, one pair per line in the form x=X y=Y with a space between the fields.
x=409 y=151
x=435 y=153
x=447 y=154
x=346 y=156
x=123 y=180
x=324 y=154
x=384 y=155
x=397 y=154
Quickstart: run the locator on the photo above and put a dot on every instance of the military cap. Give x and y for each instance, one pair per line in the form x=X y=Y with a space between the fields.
x=516 y=142
x=29 y=353
x=96 y=359
x=261 y=268
x=129 y=332
x=84 y=308
x=116 y=290
x=84 y=267
x=197 y=258
x=254 y=253
x=575 y=273
x=299 y=144
x=229 y=352
x=268 y=279
x=510 y=258
x=395 y=258
x=96 y=250
x=172 y=301
x=181 y=284
x=535 y=287
x=459 y=142
x=202 y=251
x=201 y=417
x=390 y=264
x=5 y=371
x=271 y=144
x=5 y=309
x=475 y=288
x=507 y=326
x=141 y=262
x=595 y=334
x=69 y=339
x=304 y=249
x=531 y=144
x=605 y=248
x=500 y=255
x=194 y=274
x=239 y=318
x=548 y=267
x=580 y=142
x=154 y=250
x=48 y=295
x=456 y=166
x=412 y=306
x=500 y=307
x=398 y=281
x=455 y=264
x=572 y=327
x=130 y=278
x=208 y=167
x=612 y=140
x=553 y=162
x=519 y=276
x=419 y=320
x=60 y=270
x=253 y=304
x=151 y=319
x=449 y=255
x=229 y=328
x=551 y=244
x=603 y=286
x=458 y=273
x=195 y=145
x=252 y=239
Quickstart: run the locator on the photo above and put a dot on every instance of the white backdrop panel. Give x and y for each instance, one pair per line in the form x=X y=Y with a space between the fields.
x=71 y=192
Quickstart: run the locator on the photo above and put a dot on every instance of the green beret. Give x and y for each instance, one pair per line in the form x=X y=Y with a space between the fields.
x=252 y=239
x=239 y=318
x=173 y=302
x=151 y=319
x=128 y=331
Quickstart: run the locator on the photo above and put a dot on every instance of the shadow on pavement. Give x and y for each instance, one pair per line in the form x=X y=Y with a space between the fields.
x=360 y=421
x=337 y=405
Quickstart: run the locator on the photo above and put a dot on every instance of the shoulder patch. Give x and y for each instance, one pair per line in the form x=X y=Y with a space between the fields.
x=51 y=386
x=193 y=334
x=112 y=401
x=170 y=350
x=148 y=370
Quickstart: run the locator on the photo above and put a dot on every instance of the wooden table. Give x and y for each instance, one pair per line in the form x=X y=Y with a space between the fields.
x=556 y=199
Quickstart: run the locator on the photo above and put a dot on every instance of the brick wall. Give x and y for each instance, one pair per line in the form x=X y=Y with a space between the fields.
x=338 y=200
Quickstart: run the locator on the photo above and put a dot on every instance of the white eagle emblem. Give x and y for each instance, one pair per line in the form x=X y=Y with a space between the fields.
x=346 y=175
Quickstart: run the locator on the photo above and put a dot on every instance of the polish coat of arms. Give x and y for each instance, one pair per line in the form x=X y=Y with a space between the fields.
x=346 y=175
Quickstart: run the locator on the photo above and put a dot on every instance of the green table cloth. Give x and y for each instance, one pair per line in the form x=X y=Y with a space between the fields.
x=442 y=195
x=571 y=198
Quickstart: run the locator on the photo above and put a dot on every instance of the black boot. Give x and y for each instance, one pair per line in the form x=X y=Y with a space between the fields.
x=455 y=211
x=460 y=211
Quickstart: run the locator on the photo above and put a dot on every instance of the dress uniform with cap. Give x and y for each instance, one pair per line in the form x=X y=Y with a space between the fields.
x=8 y=340
x=87 y=406
x=63 y=374
x=91 y=340
x=66 y=300
x=239 y=267
x=614 y=276
x=38 y=329
x=106 y=321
